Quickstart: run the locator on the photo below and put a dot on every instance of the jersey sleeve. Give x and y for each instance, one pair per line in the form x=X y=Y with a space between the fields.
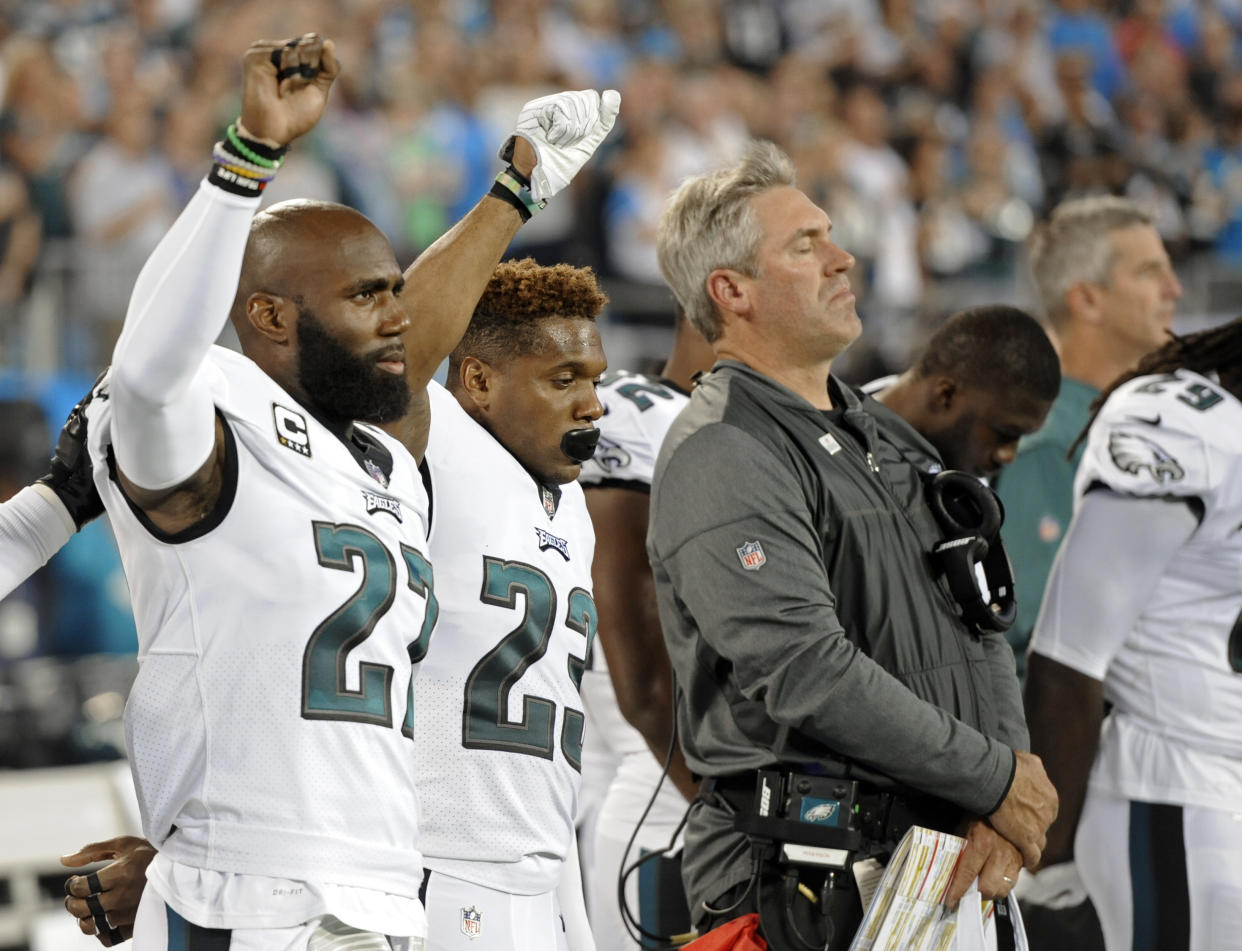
x=1152 y=439
x=1117 y=549
x=163 y=416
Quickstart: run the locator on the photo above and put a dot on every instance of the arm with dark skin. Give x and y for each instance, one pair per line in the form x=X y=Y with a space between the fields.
x=442 y=287
x=121 y=882
x=445 y=282
x=629 y=623
x=1064 y=710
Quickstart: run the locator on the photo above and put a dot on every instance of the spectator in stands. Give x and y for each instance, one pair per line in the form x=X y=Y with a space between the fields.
x=1108 y=292
x=39 y=131
x=1080 y=152
x=1077 y=27
x=122 y=200
x=20 y=232
x=26 y=614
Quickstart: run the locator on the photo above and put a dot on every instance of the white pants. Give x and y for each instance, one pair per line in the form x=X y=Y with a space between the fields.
x=158 y=928
x=599 y=762
x=462 y=915
x=653 y=894
x=1162 y=877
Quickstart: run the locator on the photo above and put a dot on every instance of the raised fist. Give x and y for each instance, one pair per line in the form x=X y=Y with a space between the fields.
x=564 y=129
x=285 y=87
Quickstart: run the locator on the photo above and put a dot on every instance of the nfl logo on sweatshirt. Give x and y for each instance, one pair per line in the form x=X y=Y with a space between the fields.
x=471 y=922
x=751 y=556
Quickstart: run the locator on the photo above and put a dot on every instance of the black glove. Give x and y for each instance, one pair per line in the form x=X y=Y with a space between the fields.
x=70 y=476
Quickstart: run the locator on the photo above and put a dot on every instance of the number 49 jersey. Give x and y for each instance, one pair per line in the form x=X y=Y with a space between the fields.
x=1176 y=684
x=498 y=721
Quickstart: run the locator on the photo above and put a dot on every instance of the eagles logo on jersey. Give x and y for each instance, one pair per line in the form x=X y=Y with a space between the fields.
x=610 y=455
x=1133 y=453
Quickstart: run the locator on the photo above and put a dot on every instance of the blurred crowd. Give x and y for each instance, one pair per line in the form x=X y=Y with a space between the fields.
x=935 y=132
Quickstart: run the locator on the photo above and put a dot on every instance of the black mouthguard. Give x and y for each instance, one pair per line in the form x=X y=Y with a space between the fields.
x=579 y=444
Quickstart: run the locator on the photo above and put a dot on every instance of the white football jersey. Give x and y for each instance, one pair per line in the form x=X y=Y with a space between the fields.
x=498 y=721
x=638 y=411
x=269 y=725
x=1175 y=731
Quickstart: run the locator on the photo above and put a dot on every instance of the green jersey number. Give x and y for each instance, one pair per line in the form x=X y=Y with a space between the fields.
x=324 y=662
x=1195 y=395
x=485 y=721
x=638 y=392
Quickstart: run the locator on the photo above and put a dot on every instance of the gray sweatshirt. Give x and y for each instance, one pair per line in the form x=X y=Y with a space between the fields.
x=802 y=615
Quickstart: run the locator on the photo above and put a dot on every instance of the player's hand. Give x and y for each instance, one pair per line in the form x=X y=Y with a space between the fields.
x=282 y=102
x=988 y=856
x=1029 y=808
x=564 y=129
x=70 y=475
x=106 y=902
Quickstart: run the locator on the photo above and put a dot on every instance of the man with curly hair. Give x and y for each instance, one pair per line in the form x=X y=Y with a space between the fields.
x=499 y=724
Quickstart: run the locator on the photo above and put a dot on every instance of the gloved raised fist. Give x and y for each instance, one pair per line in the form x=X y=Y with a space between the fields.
x=565 y=129
x=71 y=476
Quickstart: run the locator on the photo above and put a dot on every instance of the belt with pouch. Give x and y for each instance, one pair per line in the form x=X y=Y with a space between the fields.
x=826 y=813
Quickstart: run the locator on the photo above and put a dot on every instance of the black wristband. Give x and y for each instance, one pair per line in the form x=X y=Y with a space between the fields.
x=522 y=180
x=258 y=148
x=507 y=196
x=518 y=187
x=235 y=184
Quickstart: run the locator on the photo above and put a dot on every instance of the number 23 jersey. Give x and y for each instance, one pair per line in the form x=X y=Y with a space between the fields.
x=498 y=721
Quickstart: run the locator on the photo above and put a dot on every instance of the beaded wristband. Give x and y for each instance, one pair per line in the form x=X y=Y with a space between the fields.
x=253 y=151
x=226 y=158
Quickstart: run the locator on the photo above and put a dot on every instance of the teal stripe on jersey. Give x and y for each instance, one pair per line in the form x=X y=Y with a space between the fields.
x=186 y=936
x=1160 y=893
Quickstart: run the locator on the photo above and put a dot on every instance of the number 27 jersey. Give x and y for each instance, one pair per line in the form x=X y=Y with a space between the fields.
x=268 y=728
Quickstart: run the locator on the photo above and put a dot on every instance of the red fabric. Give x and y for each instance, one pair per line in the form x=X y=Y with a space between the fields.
x=740 y=934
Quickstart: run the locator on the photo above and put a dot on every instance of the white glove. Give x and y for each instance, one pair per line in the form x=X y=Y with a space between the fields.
x=565 y=129
x=1057 y=886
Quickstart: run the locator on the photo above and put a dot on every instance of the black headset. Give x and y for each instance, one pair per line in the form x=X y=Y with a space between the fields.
x=971 y=515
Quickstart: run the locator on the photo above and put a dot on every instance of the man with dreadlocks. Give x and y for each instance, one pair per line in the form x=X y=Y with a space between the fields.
x=1143 y=611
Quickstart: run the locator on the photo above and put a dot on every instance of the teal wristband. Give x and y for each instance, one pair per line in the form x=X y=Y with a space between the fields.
x=509 y=180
